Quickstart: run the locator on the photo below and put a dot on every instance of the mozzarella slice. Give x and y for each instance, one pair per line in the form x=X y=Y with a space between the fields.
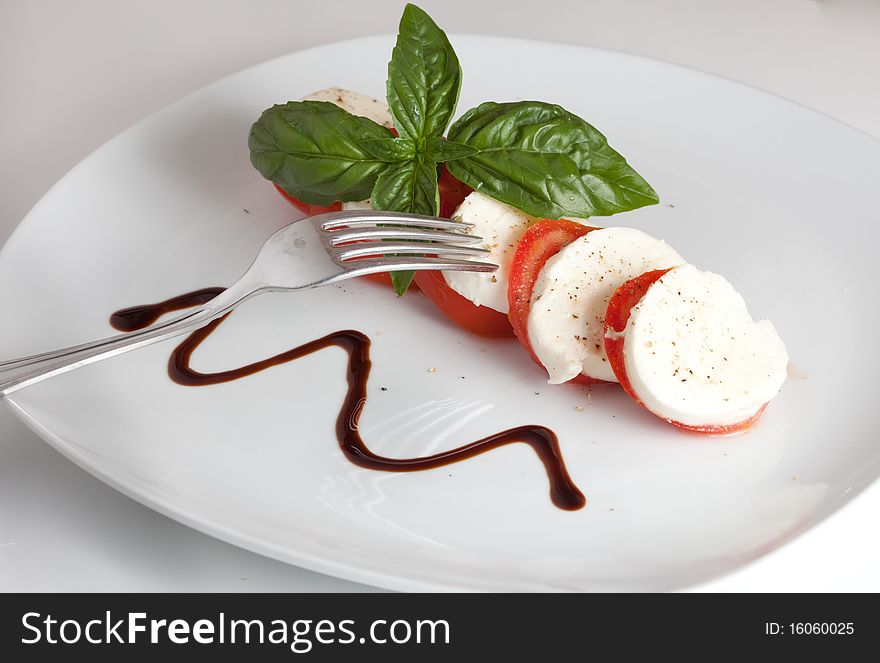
x=694 y=355
x=566 y=322
x=355 y=103
x=501 y=227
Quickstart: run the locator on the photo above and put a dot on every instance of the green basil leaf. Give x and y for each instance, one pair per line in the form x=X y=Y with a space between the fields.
x=411 y=187
x=545 y=161
x=401 y=281
x=439 y=149
x=315 y=151
x=424 y=77
x=390 y=149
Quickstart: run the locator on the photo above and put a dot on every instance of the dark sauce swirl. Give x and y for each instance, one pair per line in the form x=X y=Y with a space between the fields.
x=542 y=440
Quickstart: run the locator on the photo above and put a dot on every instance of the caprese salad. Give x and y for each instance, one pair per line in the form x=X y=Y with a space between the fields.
x=589 y=304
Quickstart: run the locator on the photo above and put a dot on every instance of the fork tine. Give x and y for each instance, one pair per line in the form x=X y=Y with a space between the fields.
x=408 y=222
x=391 y=264
x=364 y=219
x=341 y=236
x=372 y=248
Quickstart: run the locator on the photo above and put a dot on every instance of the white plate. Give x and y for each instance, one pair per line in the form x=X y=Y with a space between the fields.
x=777 y=197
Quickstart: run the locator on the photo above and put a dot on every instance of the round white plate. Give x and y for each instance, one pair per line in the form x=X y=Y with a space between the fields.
x=778 y=198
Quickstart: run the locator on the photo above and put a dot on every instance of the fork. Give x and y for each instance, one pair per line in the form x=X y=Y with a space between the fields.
x=308 y=253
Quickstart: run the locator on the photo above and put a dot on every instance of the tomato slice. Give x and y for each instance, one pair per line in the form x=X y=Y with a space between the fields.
x=539 y=243
x=452 y=193
x=480 y=320
x=619 y=308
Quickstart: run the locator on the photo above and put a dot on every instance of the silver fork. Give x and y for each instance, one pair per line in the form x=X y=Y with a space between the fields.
x=308 y=253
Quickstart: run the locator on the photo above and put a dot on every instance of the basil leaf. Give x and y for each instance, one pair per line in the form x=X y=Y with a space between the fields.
x=440 y=149
x=315 y=151
x=545 y=161
x=401 y=281
x=390 y=149
x=411 y=187
x=424 y=77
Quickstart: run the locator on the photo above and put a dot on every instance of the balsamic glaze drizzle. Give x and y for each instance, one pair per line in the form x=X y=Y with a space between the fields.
x=542 y=440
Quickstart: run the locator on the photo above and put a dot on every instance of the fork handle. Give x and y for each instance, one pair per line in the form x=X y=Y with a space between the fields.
x=18 y=373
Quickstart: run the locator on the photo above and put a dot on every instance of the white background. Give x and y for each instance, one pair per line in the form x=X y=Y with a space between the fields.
x=74 y=74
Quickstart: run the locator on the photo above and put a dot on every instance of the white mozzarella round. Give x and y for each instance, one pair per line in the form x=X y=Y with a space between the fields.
x=355 y=103
x=694 y=355
x=566 y=323
x=501 y=227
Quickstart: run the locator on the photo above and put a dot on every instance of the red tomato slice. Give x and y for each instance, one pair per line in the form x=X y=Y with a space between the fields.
x=452 y=193
x=619 y=308
x=480 y=320
x=539 y=243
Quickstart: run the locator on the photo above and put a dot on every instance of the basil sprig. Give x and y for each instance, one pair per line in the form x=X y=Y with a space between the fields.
x=534 y=156
x=424 y=78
